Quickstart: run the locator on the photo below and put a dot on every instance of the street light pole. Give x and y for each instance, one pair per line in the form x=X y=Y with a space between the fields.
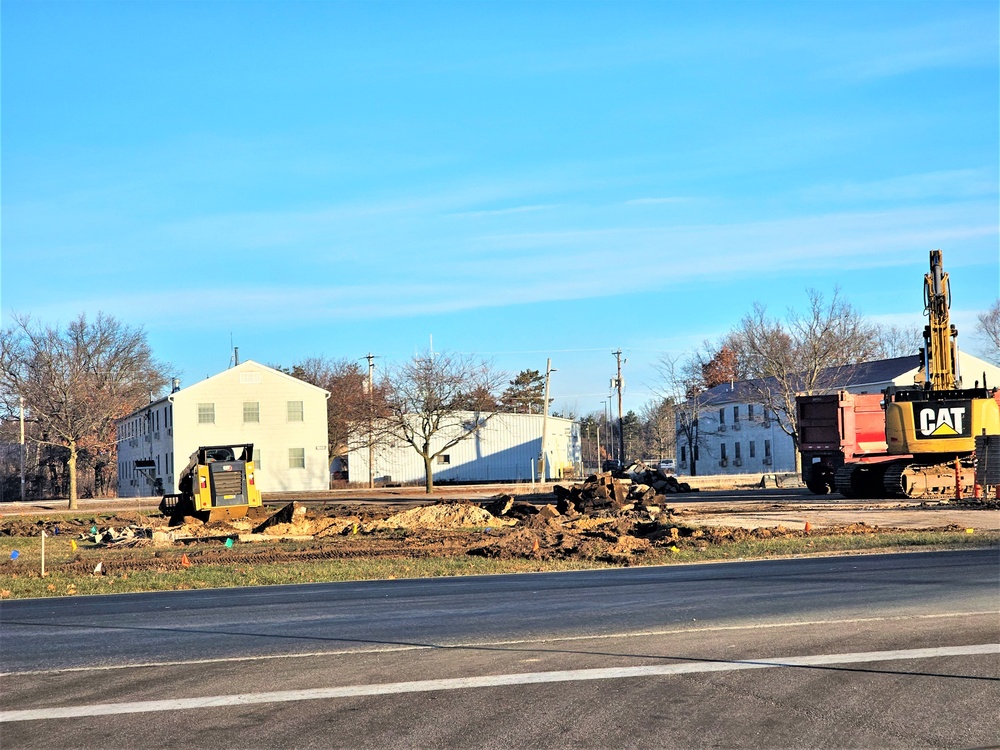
x=371 y=418
x=545 y=419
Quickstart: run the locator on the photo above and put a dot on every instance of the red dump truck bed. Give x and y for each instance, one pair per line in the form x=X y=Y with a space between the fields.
x=853 y=423
x=837 y=428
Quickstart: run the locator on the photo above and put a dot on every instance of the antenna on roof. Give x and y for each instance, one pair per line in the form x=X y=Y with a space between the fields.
x=234 y=358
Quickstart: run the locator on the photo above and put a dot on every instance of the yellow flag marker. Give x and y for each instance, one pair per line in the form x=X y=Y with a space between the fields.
x=72 y=544
x=969 y=531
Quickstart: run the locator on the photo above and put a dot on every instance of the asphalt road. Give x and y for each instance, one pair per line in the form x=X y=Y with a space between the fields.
x=870 y=651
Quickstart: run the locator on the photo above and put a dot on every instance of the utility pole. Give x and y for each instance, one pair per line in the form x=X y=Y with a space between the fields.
x=597 y=449
x=22 y=450
x=371 y=420
x=545 y=419
x=619 y=383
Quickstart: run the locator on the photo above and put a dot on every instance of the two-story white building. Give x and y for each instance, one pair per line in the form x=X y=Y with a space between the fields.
x=285 y=418
x=738 y=436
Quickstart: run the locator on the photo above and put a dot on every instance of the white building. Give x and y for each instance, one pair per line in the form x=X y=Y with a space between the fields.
x=737 y=436
x=285 y=418
x=505 y=448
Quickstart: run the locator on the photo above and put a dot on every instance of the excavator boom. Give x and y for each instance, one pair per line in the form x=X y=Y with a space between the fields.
x=940 y=362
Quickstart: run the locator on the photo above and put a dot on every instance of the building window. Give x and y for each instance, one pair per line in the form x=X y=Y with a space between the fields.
x=695 y=452
x=444 y=458
x=683 y=454
x=750 y=412
x=736 y=414
x=296 y=458
x=722 y=416
x=767 y=449
x=251 y=411
x=258 y=458
x=736 y=451
x=753 y=449
x=294 y=411
x=722 y=448
x=206 y=413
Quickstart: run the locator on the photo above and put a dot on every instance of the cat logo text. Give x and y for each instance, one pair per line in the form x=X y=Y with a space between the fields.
x=948 y=419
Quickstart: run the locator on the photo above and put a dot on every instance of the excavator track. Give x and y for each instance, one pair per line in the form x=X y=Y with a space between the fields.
x=927 y=481
x=860 y=480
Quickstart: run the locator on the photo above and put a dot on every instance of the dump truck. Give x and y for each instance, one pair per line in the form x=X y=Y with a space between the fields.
x=920 y=441
x=842 y=429
x=218 y=484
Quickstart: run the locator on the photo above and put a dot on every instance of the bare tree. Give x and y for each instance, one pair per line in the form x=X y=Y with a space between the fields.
x=352 y=402
x=77 y=382
x=430 y=400
x=898 y=341
x=806 y=353
x=658 y=428
x=684 y=385
x=988 y=331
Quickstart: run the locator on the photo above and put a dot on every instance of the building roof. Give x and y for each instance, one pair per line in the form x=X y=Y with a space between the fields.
x=871 y=376
x=876 y=374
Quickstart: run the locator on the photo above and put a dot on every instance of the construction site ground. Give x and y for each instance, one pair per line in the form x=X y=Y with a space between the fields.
x=501 y=522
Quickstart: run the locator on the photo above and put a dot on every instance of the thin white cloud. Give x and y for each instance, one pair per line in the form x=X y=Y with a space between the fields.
x=966 y=40
x=507 y=211
x=951 y=184
x=653 y=201
x=566 y=265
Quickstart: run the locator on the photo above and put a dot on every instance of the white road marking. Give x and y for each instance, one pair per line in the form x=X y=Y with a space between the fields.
x=464 y=683
x=387 y=649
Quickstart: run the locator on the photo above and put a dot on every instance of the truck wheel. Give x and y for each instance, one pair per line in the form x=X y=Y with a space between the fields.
x=819 y=488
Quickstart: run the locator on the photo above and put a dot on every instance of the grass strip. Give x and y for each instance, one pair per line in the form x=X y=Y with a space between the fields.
x=68 y=572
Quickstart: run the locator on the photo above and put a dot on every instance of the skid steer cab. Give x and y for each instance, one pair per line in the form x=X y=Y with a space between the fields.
x=218 y=484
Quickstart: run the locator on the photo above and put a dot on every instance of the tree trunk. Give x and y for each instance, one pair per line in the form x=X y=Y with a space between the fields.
x=428 y=474
x=71 y=465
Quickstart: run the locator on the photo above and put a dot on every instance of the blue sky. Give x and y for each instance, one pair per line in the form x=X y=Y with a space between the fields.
x=518 y=180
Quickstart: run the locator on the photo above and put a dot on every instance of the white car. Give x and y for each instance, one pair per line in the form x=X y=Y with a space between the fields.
x=667 y=465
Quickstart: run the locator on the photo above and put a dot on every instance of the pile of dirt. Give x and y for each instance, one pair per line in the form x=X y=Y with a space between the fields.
x=445 y=515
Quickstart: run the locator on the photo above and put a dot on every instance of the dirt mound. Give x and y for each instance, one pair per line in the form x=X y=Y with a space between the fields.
x=539 y=543
x=441 y=516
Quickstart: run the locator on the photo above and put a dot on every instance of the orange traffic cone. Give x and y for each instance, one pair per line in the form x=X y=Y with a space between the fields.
x=808 y=526
x=185 y=562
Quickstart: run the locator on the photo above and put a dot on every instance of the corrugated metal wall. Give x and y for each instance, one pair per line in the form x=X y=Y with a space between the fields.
x=503 y=449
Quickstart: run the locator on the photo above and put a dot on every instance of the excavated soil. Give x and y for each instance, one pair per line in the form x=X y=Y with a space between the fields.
x=452 y=528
